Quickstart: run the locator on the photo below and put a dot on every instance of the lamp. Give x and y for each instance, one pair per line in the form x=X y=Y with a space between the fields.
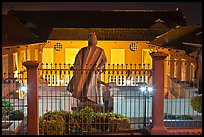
x=146 y=90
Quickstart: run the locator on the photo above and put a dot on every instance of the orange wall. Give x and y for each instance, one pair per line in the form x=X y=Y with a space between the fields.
x=130 y=56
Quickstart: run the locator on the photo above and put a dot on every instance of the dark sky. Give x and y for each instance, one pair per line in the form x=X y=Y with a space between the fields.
x=192 y=10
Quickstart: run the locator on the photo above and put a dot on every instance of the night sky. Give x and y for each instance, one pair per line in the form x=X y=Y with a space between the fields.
x=192 y=10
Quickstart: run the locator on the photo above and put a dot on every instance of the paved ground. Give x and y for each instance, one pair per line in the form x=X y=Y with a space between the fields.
x=185 y=131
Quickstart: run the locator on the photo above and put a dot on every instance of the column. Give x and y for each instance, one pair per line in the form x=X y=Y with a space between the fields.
x=188 y=70
x=32 y=97
x=171 y=66
x=178 y=71
x=158 y=96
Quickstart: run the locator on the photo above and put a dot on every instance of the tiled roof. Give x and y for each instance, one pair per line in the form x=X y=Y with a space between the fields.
x=99 y=19
x=175 y=37
x=14 y=32
x=142 y=34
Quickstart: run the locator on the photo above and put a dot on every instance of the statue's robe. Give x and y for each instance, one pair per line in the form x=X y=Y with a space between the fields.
x=88 y=64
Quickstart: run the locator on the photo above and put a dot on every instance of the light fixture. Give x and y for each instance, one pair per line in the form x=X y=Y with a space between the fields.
x=150 y=89
x=146 y=89
x=143 y=89
x=24 y=89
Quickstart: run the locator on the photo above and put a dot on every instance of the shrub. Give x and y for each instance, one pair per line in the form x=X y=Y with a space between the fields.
x=178 y=117
x=7 y=106
x=8 y=111
x=85 y=120
x=16 y=115
x=196 y=103
x=52 y=123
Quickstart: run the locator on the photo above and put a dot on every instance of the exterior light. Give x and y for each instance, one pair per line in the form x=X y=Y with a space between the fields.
x=146 y=90
x=143 y=89
x=150 y=89
x=24 y=89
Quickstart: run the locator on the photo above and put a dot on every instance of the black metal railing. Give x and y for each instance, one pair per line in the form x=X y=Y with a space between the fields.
x=14 y=104
x=125 y=100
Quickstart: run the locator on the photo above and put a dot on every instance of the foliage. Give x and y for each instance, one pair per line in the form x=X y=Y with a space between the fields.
x=7 y=107
x=8 y=111
x=196 y=103
x=52 y=123
x=178 y=117
x=16 y=115
x=85 y=120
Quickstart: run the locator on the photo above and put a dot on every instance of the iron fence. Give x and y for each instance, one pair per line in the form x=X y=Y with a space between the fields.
x=127 y=107
x=14 y=104
x=182 y=87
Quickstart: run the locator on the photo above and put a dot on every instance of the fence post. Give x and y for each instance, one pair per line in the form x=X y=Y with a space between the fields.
x=158 y=97
x=32 y=97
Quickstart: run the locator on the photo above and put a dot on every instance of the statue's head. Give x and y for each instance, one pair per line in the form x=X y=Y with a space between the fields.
x=92 y=39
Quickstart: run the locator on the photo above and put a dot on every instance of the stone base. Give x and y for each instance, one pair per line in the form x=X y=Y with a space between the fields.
x=159 y=130
x=95 y=107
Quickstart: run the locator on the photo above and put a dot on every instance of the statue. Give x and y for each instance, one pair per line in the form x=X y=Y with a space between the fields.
x=85 y=83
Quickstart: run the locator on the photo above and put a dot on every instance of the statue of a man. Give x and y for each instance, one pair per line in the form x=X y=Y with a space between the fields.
x=88 y=64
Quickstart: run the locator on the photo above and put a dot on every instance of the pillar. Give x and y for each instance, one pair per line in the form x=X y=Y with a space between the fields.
x=32 y=97
x=158 y=96
x=178 y=71
x=172 y=66
x=188 y=70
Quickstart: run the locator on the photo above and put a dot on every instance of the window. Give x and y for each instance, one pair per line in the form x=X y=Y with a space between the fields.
x=28 y=53
x=36 y=54
x=23 y=56
x=133 y=46
x=58 y=46
x=47 y=57
x=15 y=64
x=5 y=65
x=117 y=56
x=146 y=58
x=70 y=54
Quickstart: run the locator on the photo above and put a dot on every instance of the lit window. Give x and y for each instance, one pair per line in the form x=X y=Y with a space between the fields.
x=146 y=58
x=70 y=54
x=47 y=57
x=117 y=56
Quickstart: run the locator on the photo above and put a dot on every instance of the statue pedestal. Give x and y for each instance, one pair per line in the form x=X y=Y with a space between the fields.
x=95 y=107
